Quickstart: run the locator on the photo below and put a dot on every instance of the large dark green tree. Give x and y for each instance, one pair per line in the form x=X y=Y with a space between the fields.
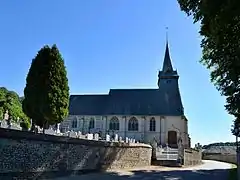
x=220 y=31
x=10 y=101
x=46 y=95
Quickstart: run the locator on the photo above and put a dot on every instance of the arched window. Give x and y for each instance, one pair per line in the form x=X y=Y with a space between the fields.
x=74 y=123
x=152 y=125
x=91 y=123
x=133 y=124
x=114 y=124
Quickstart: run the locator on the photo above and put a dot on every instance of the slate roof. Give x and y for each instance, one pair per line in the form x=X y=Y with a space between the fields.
x=128 y=102
x=165 y=100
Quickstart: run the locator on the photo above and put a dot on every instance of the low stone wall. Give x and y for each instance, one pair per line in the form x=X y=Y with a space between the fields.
x=229 y=158
x=192 y=157
x=35 y=156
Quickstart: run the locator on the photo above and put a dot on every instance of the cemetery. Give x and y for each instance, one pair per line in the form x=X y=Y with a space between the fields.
x=56 y=152
x=42 y=155
x=55 y=130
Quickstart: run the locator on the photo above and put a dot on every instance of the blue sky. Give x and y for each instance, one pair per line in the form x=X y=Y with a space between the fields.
x=114 y=44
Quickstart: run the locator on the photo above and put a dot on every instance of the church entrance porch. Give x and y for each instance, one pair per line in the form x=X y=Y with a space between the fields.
x=172 y=139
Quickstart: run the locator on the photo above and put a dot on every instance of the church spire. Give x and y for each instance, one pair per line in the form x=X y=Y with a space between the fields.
x=167 y=64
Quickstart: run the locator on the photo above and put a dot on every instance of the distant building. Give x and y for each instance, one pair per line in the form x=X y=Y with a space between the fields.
x=147 y=115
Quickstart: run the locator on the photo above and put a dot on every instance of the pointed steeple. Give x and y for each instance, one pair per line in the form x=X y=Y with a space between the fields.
x=167 y=73
x=167 y=64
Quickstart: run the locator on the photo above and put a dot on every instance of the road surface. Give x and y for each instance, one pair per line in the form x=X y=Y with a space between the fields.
x=209 y=170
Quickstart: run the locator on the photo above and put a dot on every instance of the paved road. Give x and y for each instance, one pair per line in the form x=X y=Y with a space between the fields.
x=210 y=170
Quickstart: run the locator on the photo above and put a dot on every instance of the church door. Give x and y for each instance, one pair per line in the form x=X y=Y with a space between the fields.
x=172 y=138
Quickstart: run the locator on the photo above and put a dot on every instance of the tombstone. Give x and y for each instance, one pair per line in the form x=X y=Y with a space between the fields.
x=116 y=137
x=6 y=115
x=90 y=136
x=79 y=134
x=58 y=128
x=66 y=134
x=96 y=136
x=4 y=123
x=107 y=137
x=50 y=132
x=9 y=124
x=72 y=134
x=120 y=139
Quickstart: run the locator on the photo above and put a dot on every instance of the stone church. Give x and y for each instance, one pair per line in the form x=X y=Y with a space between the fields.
x=147 y=115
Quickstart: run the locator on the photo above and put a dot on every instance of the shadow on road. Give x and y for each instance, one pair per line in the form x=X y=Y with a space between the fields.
x=217 y=174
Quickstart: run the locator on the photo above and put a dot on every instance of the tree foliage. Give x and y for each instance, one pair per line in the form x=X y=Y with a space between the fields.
x=46 y=95
x=220 y=29
x=10 y=101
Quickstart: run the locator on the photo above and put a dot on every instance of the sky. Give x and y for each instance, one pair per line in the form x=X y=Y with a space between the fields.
x=114 y=44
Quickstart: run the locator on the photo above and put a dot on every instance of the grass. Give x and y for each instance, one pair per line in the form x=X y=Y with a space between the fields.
x=233 y=173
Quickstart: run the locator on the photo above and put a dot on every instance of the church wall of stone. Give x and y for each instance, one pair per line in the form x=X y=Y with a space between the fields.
x=163 y=125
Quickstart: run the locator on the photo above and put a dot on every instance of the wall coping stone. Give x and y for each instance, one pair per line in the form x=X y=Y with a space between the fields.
x=191 y=150
x=27 y=135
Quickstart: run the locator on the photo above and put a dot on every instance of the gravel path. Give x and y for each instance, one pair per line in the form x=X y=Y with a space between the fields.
x=210 y=170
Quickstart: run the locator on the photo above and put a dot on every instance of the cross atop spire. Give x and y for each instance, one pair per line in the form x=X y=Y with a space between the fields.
x=166 y=34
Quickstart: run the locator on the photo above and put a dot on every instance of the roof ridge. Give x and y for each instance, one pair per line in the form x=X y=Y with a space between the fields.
x=89 y=95
x=135 y=89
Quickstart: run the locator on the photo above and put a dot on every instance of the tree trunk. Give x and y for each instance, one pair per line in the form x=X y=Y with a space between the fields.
x=45 y=126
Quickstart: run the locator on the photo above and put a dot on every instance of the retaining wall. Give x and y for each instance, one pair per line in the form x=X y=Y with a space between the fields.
x=229 y=158
x=35 y=156
x=192 y=157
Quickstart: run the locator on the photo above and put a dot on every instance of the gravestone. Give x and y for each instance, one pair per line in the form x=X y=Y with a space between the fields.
x=90 y=136
x=50 y=132
x=6 y=115
x=120 y=139
x=58 y=128
x=66 y=134
x=116 y=137
x=72 y=134
x=4 y=123
x=79 y=134
x=96 y=136
x=107 y=137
